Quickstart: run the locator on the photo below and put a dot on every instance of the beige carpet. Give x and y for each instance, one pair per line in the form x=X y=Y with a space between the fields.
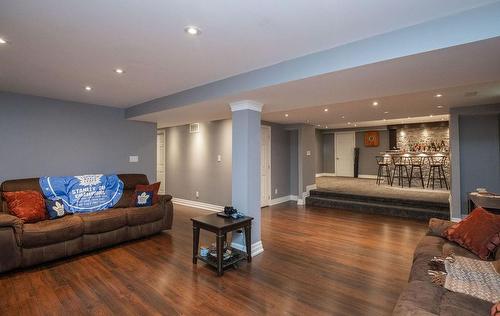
x=369 y=187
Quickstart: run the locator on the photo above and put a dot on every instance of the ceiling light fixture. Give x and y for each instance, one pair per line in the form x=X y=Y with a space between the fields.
x=439 y=95
x=192 y=30
x=439 y=106
x=326 y=110
x=286 y=115
x=88 y=88
x=318 y=125
x=348 y=123
x=2 y=41
x=119 y=71
x=343 y=116
x=375 y=103
x=386 y=112
x=355 y=125
x=430 y=115
x=385 y=119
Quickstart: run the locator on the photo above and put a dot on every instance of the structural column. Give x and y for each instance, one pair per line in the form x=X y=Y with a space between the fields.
x=246 y=177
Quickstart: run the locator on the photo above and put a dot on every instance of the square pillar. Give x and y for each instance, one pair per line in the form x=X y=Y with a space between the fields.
x=246 y=171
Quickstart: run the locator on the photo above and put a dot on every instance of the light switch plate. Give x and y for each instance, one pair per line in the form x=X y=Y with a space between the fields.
x=308 y=153
x=133 y=159
x=219 y=158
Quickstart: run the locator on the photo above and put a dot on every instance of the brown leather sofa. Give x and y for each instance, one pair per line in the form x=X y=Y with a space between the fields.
x=421 y=297
x=27 y=244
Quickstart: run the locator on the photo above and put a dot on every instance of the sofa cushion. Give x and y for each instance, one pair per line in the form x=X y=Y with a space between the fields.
x=425 y=298
x=476 y=232
x=429 y=246
x=29 y=206
x=155 y=187
x=51 y=231
x=143 y=215
x=103 y=221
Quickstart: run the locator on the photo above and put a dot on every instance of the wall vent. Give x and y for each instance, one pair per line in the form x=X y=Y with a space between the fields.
x=194 y=127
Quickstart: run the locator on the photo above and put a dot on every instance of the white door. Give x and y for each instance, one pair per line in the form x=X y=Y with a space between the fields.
x=265 y=166
x=160 y=160
x=344 y=154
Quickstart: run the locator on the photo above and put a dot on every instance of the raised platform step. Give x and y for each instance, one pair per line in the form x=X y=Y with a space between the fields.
x=379 y=205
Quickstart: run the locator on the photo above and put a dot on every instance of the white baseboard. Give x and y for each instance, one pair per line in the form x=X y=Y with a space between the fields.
x=257 y=247
x=293 y=198
x=282 y=199
x=367 y=176
x=196 y=204
x=302 y=199
x=325 y=175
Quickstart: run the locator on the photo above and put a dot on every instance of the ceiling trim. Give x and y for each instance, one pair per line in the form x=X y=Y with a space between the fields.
x=469 y=26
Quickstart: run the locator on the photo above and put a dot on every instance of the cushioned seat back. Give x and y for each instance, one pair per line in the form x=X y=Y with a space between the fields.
x=129 y=183
x=32 y=184
x=18 y=185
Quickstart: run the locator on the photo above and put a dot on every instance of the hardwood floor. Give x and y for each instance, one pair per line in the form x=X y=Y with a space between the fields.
x=316 y=262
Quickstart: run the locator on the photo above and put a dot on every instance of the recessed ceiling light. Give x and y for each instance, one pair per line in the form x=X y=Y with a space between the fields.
x=88 y=88
x=409 y=117
x=348 y=123
x=326 y=126
x=386 y=112
x=439 y=106
x=438 y=95
x=318 y=125
x=442 y=119
x=342 y=117
x=430 y=115
x=375 y=103
x=2 y=41
x=286 y=115
x=119 y=71
x=192 y=30
x=355 y=125
x=385 y=119
x=326 y=110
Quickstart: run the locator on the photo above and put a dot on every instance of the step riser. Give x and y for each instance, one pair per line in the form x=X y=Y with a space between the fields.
x=373 y=199
x=390 y=210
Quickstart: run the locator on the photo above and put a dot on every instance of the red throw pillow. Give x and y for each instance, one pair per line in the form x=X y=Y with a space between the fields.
x=27 y=205
x=155 y=187
x=478 y=233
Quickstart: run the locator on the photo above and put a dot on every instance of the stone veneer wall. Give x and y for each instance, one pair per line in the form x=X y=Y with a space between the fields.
x=407 y=137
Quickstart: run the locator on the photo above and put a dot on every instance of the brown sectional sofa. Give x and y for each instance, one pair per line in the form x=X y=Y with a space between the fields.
x=27 y=244
x=421 y=297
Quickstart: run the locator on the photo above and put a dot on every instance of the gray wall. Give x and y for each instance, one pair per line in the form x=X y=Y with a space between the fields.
x=280 y=160
x=474 y=152
x=294 y=162
x=328 y=153
x=307 y=163
x=41 y=136
x=191 y=162
x=319 y=151
x=367 y=162
x=479 y=154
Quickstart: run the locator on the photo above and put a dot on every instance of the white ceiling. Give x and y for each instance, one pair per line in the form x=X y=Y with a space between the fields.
x=57 y=47
x=403 y=87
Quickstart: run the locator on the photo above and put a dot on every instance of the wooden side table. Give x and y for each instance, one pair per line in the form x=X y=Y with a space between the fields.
x=221 y=226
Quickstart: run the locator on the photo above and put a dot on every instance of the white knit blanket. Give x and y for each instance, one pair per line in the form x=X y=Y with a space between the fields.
x=473 y=277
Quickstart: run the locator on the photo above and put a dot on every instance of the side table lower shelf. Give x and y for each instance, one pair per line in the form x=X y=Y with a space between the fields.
x=236 y=256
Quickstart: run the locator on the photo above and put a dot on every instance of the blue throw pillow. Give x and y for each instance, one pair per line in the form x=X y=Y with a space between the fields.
x=55 y=209
x=144 y=198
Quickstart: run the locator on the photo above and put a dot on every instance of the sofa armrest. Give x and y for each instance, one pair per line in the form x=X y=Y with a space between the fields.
x=168 y=207
x=7 y=220
x=438 y=226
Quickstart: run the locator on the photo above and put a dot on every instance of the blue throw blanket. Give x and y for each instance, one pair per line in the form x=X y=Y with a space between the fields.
x=84 y=194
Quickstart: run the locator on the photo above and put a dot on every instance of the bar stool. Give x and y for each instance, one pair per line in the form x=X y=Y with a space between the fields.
x=400 y=164
x=384 y=171
x=416 y=162
x=437 y=163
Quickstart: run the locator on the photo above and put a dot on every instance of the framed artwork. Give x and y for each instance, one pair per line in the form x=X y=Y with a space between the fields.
x=372 y=139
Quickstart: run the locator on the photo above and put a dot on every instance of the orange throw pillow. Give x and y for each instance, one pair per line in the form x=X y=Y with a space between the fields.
x=478 y=233
x=27 y=205
x=155 y=187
